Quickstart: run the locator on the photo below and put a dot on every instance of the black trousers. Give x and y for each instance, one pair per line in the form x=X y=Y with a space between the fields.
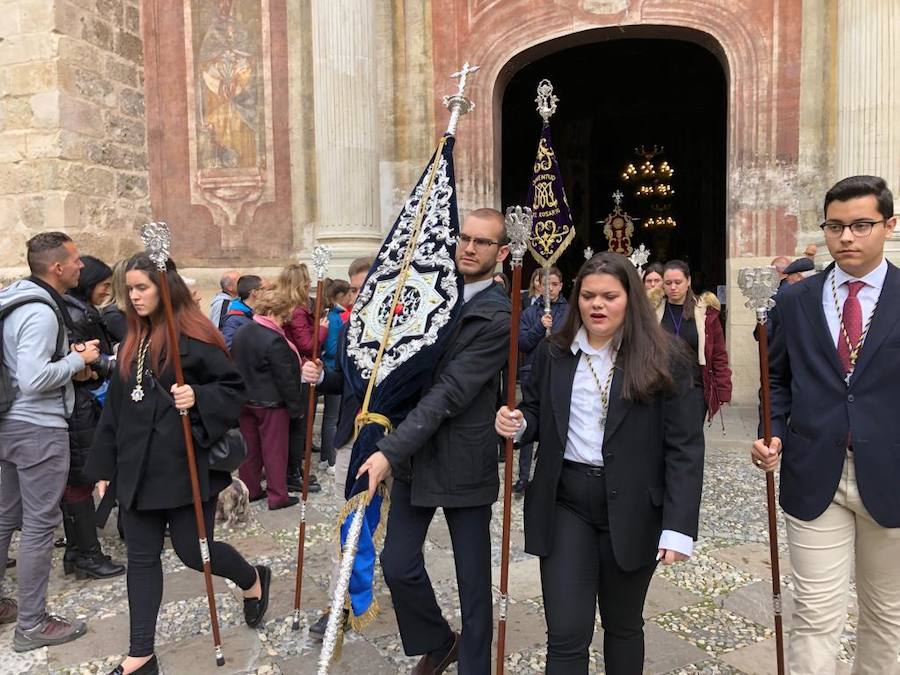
x=422 y=625
x=581 y=575
x=144 y=532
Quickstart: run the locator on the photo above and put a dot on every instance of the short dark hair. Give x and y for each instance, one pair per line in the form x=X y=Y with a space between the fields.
x=862 y=186
x=44 y=249
x=651 y=268
x=247 y=284
x=363 y=264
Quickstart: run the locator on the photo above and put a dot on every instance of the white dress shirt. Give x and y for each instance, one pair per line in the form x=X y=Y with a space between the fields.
x=584 y=440
x=868 y=295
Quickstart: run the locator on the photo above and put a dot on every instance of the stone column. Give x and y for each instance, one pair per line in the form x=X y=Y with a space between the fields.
x=868 y=99
x=347 y=186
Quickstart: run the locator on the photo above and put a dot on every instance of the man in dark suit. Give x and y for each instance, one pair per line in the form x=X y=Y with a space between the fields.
x=444 y=454
x=834 y=366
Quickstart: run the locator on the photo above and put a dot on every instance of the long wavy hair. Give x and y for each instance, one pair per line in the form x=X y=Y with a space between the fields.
x=293 y=284
x=645 y=351
x=189 y=320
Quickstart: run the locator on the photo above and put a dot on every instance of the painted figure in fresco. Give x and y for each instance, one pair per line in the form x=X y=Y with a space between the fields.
x=228 y=74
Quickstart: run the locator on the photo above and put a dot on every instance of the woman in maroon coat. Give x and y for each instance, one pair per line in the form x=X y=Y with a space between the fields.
x=682 y=313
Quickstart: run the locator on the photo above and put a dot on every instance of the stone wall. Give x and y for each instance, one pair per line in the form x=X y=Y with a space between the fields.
x=72 y=138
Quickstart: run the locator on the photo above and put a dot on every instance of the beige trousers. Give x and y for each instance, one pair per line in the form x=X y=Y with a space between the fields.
x=822 y=555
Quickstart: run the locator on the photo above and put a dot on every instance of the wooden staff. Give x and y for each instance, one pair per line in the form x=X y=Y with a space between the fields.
x=321 y=258
x=758 y=285
x=157 y=240
x=518 y=226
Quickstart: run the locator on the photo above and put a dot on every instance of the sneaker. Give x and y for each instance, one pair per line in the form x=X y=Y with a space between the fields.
x=330 y=470
x=53 y=630
x=8 y=610
x=317 y=630
x=323 y=465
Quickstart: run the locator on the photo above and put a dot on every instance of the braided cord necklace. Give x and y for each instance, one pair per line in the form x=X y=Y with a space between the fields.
x=137 y=394
x=604 y=388
x=854 y=351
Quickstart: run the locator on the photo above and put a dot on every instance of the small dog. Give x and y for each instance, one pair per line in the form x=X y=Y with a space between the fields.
x=233 y=504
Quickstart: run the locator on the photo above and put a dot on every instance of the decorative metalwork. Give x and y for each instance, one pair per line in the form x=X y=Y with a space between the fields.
x=321 y=257
x=503 y=606
x=618 y=197
x=639 y=257
x=157 y=240
x=458 y=104
x=758 y=284
x=588 y=253
x=518 y=229
x=546 y=100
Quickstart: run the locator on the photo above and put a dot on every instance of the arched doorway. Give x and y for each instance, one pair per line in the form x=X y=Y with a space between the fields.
x=618 y=96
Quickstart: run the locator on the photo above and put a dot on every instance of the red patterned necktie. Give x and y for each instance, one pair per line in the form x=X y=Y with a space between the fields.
x=851 y=319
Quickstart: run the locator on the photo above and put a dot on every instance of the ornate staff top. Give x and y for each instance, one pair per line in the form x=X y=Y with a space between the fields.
x=546 y=100
x=758 y=284
x=639 y=257
x=157 y=240
x=588 y=253
x=458 y=104
x=518 y=229
x=321 y=257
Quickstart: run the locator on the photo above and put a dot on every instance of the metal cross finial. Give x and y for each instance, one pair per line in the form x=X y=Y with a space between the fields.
x=639 y=257
x=618 y=197
x=157 y=240
x=463 y=75
x=458 y=104
x=758 y=284
x=321 y=256
x=588 y=253
x=518 y=229
x=546 y=100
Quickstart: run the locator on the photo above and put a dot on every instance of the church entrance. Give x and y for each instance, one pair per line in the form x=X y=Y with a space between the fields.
x=630 y=111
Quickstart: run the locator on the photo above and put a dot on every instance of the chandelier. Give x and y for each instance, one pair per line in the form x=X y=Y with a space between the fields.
x=650 y=178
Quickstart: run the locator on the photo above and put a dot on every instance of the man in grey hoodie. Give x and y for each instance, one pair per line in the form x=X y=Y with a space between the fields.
x=34 y=441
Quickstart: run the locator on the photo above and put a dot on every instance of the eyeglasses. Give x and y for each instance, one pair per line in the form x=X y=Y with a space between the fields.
x=860 y=228
x=480 y=243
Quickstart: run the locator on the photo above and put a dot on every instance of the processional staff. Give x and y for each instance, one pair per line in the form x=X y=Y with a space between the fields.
x=321 y=257
x=157 y=241
x=518 y=228
x=758 y=284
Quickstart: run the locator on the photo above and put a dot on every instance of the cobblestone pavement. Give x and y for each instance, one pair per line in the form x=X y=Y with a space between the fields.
x=711 y=614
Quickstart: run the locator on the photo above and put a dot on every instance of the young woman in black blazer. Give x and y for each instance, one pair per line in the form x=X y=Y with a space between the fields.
x=620 y=465
x=139 y=444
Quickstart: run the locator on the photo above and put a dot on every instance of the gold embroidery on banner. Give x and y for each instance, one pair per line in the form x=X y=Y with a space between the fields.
x=544 y=161
x=543 y=196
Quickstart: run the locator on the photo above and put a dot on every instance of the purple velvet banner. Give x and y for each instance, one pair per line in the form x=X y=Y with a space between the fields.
x=552 y=231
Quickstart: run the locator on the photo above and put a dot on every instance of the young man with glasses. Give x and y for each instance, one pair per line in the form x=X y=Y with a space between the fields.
x=834 y=366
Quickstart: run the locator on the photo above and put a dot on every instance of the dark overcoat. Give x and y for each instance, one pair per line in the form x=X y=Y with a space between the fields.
x=141 y=444
x=652 y=453
x=446 y=447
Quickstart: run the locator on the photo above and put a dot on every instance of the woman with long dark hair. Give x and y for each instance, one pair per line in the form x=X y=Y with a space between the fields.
x=620 y=469
x=140 y=442
x=696 y=321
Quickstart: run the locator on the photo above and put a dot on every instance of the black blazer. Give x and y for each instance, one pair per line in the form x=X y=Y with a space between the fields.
x=270 y=368
x=142 y=444
x=448 y=439
x=814 y=411
x=653 y=454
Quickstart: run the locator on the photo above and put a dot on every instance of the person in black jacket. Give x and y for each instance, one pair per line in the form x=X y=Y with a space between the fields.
x=619 y=474
x=444 y=454
x=140 y=441
x=270 y=366
x=83 y=554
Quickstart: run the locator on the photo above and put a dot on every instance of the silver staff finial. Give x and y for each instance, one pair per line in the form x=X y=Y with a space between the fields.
x=758 y=284
x=546 y=100
x=321 y=257
x=458 y=104
x=618 y=197
x=639 y=257
x=518 y=229
x=157 y=240
x=588 y=253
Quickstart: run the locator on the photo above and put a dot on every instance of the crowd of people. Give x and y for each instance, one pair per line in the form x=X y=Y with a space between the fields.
x=617 y=383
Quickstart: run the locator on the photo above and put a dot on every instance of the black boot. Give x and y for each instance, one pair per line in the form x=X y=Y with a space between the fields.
x=91 y=564
x=70 y=557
